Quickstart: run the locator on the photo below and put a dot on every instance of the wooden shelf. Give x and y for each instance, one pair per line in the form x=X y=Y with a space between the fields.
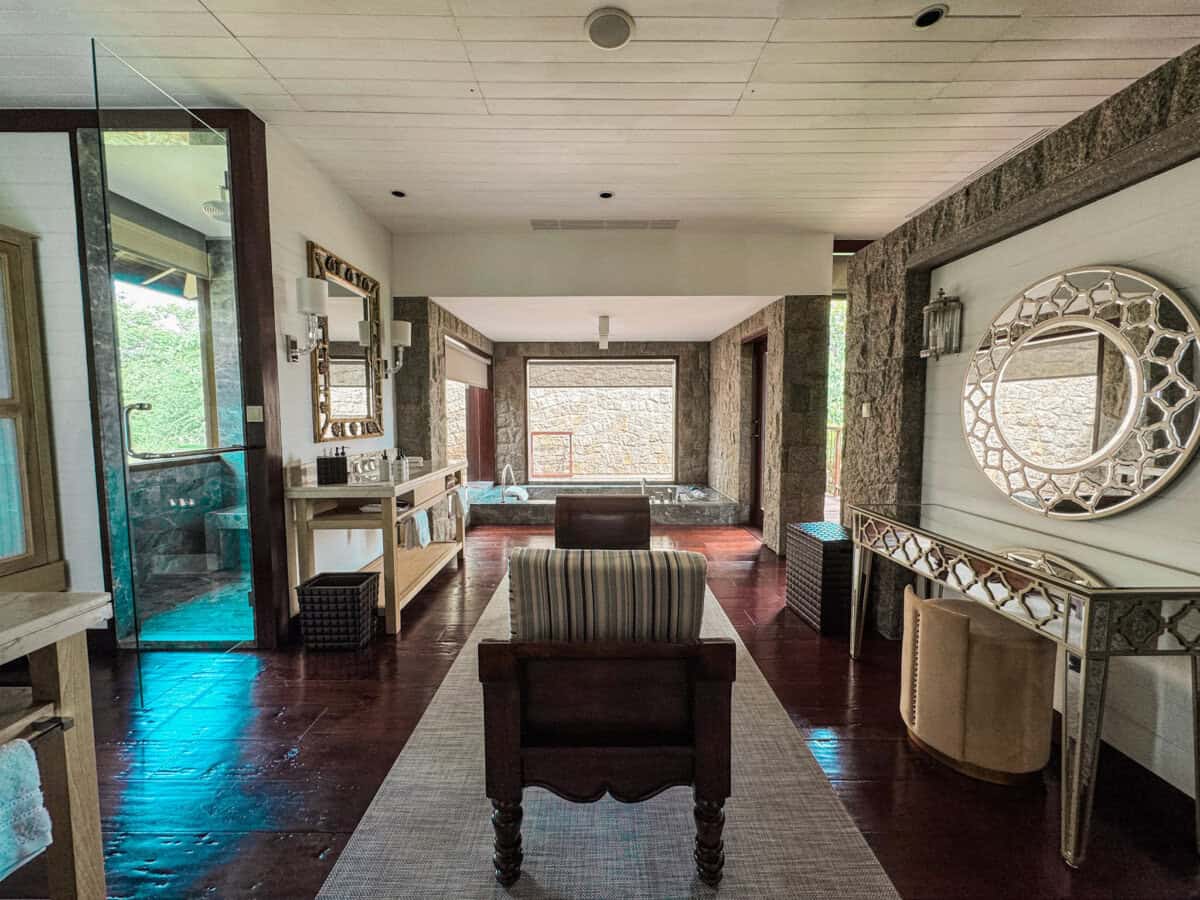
x=357 y=519
x=18 y=712
x=415 y=568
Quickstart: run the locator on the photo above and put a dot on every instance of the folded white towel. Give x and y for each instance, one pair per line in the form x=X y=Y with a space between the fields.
x=24 y=822
x=419 y=529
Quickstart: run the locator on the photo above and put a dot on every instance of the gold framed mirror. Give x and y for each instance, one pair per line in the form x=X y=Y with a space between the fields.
x=347 y=370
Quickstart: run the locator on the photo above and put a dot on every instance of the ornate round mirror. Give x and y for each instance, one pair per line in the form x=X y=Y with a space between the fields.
x=1081 y=399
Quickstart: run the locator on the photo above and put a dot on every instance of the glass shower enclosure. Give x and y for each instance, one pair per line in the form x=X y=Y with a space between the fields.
x=177 y=363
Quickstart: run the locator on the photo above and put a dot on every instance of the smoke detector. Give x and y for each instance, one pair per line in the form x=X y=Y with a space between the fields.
x=609 y=28
x=218 y=210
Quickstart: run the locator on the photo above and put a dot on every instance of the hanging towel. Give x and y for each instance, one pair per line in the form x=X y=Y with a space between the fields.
x=460 y=498
x=419 y=529
x=24 y=822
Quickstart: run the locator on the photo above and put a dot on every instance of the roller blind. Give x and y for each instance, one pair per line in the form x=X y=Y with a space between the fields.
x=465 y=365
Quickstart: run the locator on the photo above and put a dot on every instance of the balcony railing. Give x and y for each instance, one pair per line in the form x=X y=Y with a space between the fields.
x=833 y=460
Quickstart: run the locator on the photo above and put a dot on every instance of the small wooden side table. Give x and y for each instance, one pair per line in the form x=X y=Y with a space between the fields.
x=50 y=629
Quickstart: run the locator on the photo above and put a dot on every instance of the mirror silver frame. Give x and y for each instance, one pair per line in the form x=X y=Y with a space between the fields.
x=1149 y=450
x=323 y=264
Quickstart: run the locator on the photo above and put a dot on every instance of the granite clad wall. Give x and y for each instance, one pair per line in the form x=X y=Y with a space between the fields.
x=692 y=401
x=420 y=387
x=1145 y=129
x=797 y=330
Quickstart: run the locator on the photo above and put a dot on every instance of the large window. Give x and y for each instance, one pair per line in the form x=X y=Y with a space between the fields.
x=601 y=419
x=164 y=363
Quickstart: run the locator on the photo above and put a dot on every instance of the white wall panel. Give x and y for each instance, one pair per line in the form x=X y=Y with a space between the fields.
x=37 y=195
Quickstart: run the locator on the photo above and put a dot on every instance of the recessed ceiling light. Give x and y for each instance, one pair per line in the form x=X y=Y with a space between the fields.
x=609 y=28
x=399 y=194
x=930 y=15
x=606 y=195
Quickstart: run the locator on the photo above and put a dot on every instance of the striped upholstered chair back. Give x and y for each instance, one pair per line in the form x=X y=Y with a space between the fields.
x=606 y=595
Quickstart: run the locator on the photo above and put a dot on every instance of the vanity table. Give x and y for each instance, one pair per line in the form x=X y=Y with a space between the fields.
x=56 y=716
x=316 y=507
x=1089 y=623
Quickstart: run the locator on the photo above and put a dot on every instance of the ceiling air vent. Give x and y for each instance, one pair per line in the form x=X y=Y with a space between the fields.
x=609 y=28
x=604 y=224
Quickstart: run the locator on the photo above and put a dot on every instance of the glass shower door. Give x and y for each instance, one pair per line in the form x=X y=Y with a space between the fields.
x=177 y=361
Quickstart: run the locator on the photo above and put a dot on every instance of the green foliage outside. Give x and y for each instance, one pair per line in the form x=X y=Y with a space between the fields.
x=160 y=354
x=837 y=361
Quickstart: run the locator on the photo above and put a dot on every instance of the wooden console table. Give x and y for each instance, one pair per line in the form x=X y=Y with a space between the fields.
x=49 y=628
x=317 y=507
x=1090 y=624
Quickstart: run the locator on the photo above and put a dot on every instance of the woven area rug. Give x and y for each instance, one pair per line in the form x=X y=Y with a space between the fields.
x=427 y=833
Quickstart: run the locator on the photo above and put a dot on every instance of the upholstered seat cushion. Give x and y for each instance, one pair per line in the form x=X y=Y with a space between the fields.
x=606 y=595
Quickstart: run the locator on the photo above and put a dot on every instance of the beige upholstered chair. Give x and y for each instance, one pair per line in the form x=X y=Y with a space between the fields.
x=976 y=689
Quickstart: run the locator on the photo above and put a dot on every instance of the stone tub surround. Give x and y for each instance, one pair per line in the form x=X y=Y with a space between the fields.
x=1147 y=128
x=691 y=401
x=797 y=331
x=712 y=509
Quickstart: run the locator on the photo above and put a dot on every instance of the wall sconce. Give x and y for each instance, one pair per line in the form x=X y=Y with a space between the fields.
x=312 y=298
x=401 y=338
x=943 y=326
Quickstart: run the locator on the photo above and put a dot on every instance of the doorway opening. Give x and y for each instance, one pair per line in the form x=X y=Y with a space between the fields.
x=758 y=405
x=470 y=411
x=835 y=420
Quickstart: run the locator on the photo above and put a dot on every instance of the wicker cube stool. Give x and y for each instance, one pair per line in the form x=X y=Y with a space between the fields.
x=976 y=690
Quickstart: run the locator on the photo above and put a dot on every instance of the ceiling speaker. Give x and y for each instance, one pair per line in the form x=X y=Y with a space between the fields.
x=609 y=28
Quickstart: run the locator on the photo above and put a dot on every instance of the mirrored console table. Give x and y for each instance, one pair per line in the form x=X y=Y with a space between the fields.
x=1091 y=624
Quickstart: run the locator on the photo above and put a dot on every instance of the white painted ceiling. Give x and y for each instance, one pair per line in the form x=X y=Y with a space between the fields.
x=751 y=114
x=577 y=318
x=174 y=180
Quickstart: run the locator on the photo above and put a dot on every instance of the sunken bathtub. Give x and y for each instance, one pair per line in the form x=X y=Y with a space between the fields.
x=670 y=504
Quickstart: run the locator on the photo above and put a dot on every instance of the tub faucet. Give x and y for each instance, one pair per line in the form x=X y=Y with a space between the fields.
x=643 y=485
x=505 y=475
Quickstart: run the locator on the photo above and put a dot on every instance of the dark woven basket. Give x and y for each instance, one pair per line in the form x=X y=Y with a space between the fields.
x=337 y=610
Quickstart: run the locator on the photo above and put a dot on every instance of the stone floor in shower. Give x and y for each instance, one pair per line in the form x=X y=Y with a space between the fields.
x=196 y=610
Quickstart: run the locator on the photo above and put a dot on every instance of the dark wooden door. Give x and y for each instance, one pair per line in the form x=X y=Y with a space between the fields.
x=758 y=353
x=481 y=434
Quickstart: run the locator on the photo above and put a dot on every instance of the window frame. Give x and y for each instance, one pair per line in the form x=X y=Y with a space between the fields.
x=208 y=369
x=40 y=567
x=592 y=358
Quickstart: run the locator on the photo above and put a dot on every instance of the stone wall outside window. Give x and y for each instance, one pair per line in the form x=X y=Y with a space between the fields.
x=608 y=420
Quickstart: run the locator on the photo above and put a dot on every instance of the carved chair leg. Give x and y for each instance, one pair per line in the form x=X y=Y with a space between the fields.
x=710 y=849
x=506 y=821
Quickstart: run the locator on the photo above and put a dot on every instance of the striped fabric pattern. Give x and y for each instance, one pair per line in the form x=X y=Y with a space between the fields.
x=606 y=595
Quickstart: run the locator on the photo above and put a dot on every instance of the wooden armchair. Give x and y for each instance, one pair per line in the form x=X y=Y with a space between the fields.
x=619 y=696
x=602 y=522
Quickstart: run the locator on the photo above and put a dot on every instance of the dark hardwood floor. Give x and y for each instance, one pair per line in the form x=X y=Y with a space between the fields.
x=244 y=773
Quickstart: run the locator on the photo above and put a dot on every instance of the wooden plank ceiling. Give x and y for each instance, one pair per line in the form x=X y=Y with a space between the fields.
x=750 y=114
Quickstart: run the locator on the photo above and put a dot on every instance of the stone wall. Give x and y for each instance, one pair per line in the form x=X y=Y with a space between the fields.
x=1050 y=421
x=420 y=387
x=456 y=420
x=1145 y=129
x=613 y=432
x=691 y=406
x=797 y=332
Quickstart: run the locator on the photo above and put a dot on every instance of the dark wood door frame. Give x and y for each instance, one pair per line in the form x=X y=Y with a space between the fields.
x=256 y=312
x=758 y=404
